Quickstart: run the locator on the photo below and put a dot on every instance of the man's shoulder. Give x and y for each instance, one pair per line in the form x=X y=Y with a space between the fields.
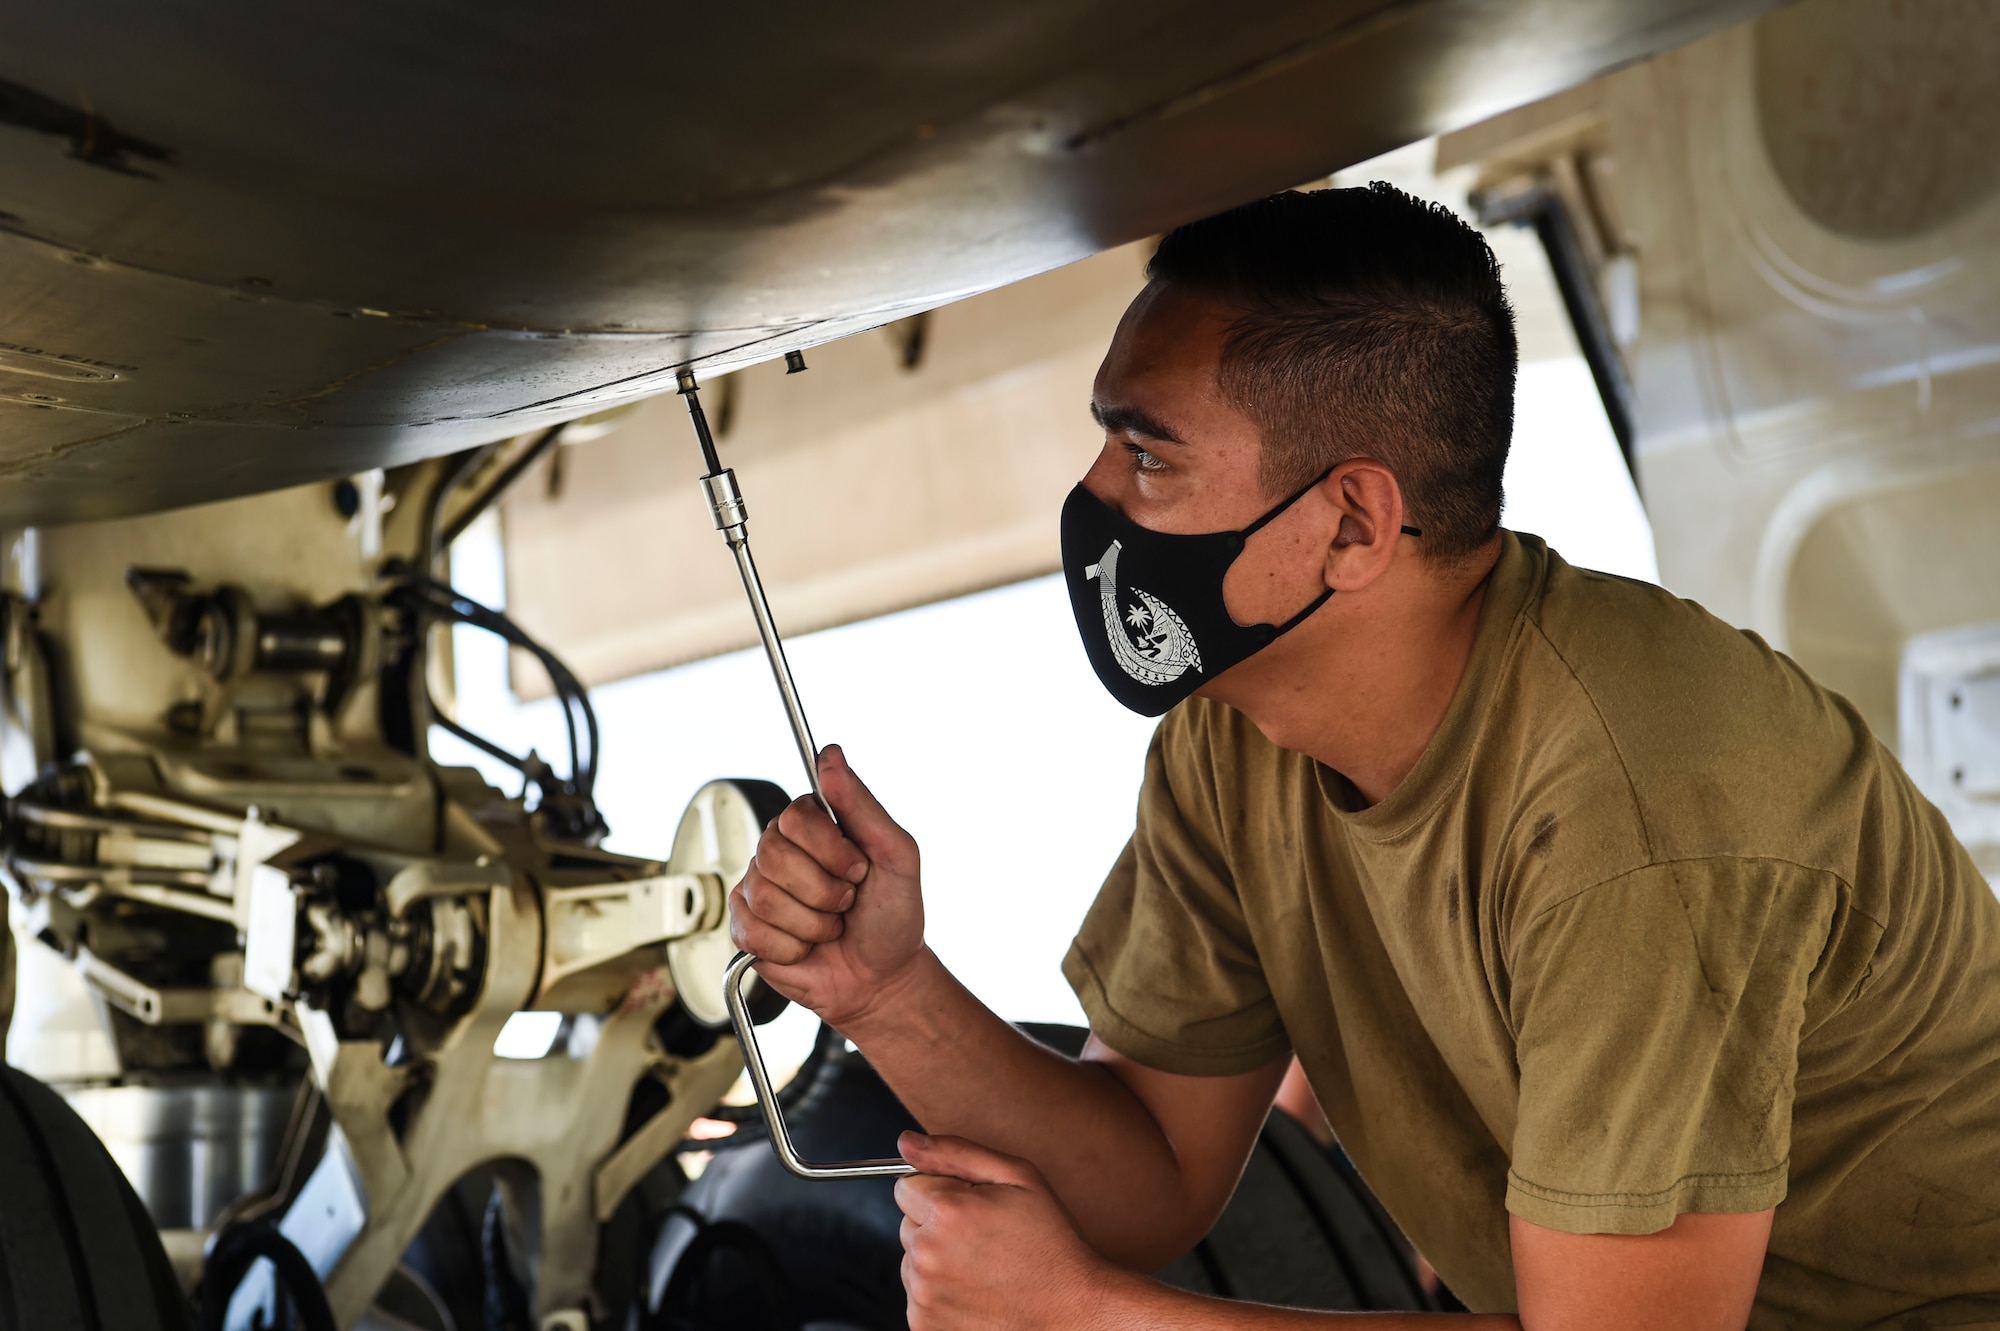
x=1616 y=632
x=1724 y=744
x=1661 y=673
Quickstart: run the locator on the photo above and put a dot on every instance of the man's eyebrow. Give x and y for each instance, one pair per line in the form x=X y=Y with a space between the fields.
x=1131 y=420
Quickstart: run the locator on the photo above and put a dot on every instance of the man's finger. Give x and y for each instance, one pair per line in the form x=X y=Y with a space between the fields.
x=762 y=940
x=917 y=1195
x=777 y=907
x=785 y=862
x=806 y=825
x=955 y=1157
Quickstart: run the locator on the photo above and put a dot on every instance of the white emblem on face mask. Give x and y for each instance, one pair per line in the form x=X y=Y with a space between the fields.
x=1148 y=640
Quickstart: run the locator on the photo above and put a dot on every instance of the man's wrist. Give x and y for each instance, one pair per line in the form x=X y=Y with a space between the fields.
x=1122 y=1300
x=903 y=1005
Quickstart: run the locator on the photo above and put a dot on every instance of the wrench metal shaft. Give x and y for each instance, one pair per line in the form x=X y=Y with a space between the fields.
x=732 y=519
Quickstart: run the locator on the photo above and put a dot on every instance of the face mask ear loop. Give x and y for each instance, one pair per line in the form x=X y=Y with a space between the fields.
x=1257 y=526
x=1294 y=498
x=1296 y=495
x=1303 y=615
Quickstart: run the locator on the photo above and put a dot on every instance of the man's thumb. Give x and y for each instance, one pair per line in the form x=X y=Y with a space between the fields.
x=955 y=1157
x=861 y=815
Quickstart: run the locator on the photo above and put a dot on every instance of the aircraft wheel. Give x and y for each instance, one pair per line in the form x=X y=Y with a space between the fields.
x=718 y=835
x=77 y=1249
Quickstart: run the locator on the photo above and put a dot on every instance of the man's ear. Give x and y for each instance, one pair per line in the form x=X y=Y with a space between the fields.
x=1369 y=500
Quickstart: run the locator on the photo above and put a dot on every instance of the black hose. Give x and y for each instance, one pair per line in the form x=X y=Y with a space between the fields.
x=569 y=691
x=513 y=471
x=440 y=600
x=426 y=597
x=238 y=1248
x=484 y=745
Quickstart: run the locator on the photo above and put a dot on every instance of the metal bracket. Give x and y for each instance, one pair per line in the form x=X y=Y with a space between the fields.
x=1542 y=207
x=733 y=981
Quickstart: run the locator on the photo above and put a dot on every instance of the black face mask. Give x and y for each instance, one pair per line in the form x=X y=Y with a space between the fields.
x=1149 y=605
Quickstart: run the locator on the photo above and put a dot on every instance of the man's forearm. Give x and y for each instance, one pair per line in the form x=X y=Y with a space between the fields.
x=962 y=1070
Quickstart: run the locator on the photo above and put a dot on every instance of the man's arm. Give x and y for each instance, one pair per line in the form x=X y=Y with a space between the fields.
x=1144 y=1160
x=1699 y=1272
x=986 y=1244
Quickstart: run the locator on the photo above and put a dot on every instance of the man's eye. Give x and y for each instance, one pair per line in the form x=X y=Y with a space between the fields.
x=1142 y=460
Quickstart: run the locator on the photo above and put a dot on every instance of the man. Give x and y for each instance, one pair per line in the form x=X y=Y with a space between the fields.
x=1630 y=969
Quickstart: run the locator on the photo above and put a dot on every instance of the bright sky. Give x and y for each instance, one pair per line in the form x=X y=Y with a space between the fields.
x=977 y=721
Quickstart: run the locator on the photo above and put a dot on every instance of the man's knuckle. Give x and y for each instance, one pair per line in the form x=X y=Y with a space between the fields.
x=764 y=899
x=770 y=862
x=797 y=817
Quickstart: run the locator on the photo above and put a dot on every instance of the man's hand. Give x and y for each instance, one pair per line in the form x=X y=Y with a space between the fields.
x=986 y=1244
x=836 y=919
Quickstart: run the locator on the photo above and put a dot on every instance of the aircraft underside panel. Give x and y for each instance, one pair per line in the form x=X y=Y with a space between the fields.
x=245 y=250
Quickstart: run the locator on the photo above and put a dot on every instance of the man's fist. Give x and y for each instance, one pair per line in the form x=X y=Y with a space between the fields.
x=835 y=914
x=987 y=1245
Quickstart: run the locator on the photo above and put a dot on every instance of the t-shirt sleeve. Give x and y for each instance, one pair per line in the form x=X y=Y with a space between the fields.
x=1164 y=964
x=1657 y=1021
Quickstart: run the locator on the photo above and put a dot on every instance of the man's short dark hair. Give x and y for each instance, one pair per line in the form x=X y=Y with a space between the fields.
x=1372 y=324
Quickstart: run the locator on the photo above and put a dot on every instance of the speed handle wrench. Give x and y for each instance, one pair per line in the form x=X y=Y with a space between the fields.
x=725 y=503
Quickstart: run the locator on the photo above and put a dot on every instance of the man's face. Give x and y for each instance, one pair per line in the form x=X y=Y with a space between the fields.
x=1179 y=458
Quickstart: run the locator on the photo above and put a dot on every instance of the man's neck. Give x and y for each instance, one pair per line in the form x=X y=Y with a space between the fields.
x=1364 y=689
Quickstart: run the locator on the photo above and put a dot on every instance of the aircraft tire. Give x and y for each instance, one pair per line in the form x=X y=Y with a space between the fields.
x=77 y=1250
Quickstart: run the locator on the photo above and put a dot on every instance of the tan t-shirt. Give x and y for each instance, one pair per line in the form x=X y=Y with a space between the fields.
x=1655 y=926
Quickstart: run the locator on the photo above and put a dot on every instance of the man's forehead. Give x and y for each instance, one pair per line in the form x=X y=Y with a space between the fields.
x=1166 y=351
x=1166 y=321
